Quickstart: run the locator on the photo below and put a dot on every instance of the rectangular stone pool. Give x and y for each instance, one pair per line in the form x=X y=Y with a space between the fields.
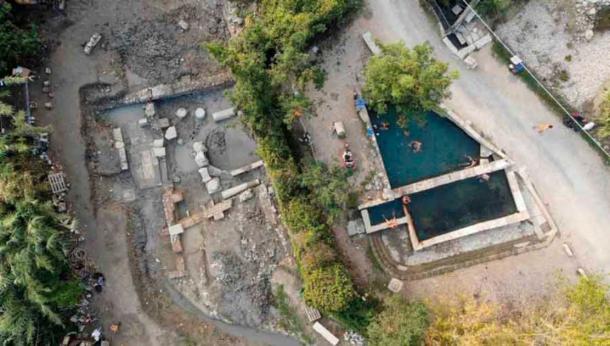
x=460 y=204
x=444 y=147
x=468 y=206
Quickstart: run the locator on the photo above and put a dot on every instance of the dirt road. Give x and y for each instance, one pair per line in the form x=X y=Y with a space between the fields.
x=71 y=70
x=568 y=173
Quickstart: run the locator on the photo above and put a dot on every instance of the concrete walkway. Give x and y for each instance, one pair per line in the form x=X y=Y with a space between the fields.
x=570 y=176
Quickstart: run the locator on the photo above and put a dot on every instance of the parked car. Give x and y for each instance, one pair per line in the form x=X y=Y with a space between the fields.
x=93 y=41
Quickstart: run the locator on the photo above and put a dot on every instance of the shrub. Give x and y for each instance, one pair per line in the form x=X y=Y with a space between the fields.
x=317 y=255
x=359 y=314
x=577 y=314
x=329 y=288
x=300 y=215
x=400 y=323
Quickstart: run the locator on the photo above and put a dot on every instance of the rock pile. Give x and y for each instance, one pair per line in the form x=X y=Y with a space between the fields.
x=587 y=13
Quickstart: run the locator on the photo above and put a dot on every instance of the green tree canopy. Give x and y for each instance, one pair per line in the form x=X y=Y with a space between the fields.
x=399 y=324
x=16 y=44
x=37 y=290
x=271 y=65
x=409 y=79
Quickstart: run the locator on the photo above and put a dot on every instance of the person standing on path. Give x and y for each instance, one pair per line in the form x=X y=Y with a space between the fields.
x=543 y=127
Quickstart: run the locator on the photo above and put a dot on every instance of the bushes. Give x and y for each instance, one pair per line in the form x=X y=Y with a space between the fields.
x=400 y=323
x=329 y=288
x=270 y=63
x=578 y=314
x=358 y=315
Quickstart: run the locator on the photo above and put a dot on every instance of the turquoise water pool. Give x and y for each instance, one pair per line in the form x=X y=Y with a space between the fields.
x=444 y=147
x=386 y=211
x=447 y=208
x=460 y=204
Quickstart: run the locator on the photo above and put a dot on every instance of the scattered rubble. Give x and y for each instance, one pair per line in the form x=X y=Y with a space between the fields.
x=354 y=338
x=558 y=40
x=160 y=48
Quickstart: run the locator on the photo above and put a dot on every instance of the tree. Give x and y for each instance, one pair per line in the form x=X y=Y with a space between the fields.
x=37 y=290
x=409 y=79
x=493 y=9
x=604 y=116
x=271 y=65
x=35 y=284
x=577 y=314
x=19 y=174
x=16 y=44
x=330 y=185
x=401 y=323
x=328 y=288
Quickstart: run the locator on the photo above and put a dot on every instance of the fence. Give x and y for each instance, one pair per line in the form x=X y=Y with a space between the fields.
x=588 y=135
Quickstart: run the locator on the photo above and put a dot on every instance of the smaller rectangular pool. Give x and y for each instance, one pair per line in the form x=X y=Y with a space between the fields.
x=460 y=204
x=386 y=211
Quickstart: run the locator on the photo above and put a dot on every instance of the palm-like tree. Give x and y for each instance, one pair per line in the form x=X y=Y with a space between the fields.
x=32 y=265
x=36 y=288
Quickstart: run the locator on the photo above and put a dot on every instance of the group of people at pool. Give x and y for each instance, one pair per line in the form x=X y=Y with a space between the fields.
x=414 y=145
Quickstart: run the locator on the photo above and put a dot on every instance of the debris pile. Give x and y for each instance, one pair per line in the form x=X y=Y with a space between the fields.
x=587 y=17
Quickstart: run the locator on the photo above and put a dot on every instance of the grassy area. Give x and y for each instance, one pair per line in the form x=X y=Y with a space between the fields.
x=504 y=55
x=290 y=320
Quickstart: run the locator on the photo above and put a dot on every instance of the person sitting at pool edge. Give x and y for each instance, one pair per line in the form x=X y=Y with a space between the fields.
x=471 y=162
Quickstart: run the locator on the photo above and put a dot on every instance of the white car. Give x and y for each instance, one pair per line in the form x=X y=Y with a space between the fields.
x=93 y=41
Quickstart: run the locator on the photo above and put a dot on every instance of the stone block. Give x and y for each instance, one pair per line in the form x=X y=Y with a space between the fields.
x=159 y=152
x=214 y=171
x=205 y=175
x=163 y=123
x=246 y=195
x=158 y=143
x=181 y=113
x=199 y=146
x=395 y=285
x=171 y=133
x=200 y=114
x=213 y=186
x=355 y=227
x=201 y=160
